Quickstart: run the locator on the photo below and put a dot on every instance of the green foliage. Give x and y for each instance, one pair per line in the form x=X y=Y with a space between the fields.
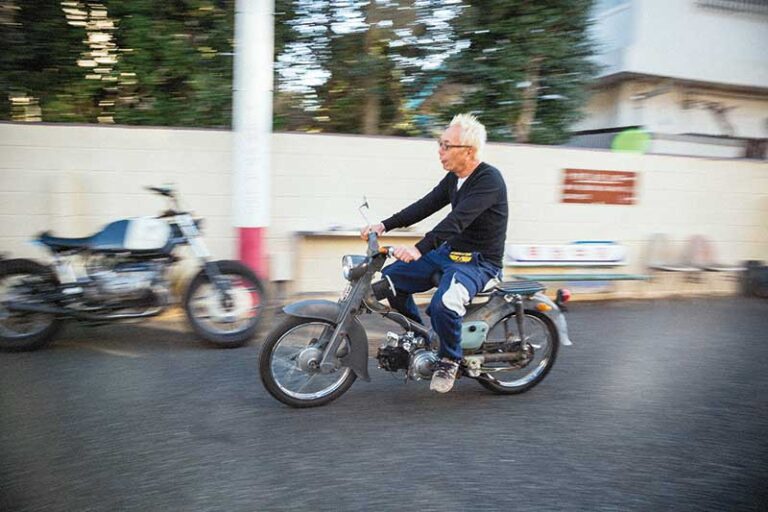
x=513 y=43
x=178 y=62
x=372 y=57
x=38 y=59
x=174 y=62
x=348 y=66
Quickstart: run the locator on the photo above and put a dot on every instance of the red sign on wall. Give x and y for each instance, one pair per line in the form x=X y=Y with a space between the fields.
x=599 y=187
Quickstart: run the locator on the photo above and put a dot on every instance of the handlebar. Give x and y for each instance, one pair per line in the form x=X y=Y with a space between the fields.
x=374 y=248
x=373 y=243
x=163 y=191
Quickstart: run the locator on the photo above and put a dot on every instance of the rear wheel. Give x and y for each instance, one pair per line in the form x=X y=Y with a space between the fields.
x=289 y=364
x=25 y=281
x=226 y=321
x=540 y=351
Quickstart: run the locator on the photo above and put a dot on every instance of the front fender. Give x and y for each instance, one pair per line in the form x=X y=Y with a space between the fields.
x=357 y=358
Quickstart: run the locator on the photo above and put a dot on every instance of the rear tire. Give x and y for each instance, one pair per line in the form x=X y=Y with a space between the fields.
x=288 y=350
x=539 y=330
x=14 y=336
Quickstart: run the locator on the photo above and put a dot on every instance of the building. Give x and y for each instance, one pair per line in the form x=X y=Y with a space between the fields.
x=692 y=73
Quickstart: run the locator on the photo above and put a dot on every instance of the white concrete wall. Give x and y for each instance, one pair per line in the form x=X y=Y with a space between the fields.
x=73 y=179
x=682 y=39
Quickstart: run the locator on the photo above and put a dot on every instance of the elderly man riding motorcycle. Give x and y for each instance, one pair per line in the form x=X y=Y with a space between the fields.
x=465 y=248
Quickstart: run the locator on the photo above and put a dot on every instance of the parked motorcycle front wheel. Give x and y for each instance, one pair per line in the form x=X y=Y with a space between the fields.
x=541 y=340
x=289 y=364
x=226 y=321
x=22 y=331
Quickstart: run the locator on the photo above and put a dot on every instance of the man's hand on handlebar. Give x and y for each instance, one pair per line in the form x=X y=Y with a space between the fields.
x=376 y=228
x=406 y=253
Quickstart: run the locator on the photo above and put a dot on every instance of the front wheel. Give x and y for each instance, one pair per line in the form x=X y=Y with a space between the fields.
x=25 y=281
x=289 y=363
x=541 y=343
x=225 y=320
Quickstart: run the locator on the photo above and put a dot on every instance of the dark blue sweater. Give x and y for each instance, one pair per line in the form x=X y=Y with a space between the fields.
x=478 y=218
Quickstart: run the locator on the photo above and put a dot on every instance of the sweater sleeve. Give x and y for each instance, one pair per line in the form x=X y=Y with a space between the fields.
x=483 y=195
x=437 y=198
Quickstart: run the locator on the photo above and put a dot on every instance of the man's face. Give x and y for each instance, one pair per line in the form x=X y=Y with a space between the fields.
x=452 y=157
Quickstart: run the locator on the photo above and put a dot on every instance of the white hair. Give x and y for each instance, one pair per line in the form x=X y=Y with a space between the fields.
x=472 y=131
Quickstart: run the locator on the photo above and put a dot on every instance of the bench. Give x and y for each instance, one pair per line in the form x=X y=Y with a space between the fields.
x=583 y=277
x=577 y=255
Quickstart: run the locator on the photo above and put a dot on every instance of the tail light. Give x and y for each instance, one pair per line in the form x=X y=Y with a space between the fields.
x=563 y=296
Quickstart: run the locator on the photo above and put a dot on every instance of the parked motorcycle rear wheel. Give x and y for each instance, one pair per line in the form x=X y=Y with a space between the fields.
x=287 y=364
x=215 y=322
x=21 y=331
x=542 y=335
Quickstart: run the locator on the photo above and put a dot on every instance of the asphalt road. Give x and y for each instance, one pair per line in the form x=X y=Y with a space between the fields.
x=660 y=405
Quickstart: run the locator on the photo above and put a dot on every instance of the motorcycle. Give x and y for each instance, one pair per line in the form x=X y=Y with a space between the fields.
x=510 y=337
x=121 y=273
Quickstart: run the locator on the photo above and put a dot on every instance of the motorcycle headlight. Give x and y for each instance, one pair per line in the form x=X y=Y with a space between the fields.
x=353 y=266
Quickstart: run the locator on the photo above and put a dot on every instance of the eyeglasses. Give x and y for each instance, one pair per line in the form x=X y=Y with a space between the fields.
x=446 y=146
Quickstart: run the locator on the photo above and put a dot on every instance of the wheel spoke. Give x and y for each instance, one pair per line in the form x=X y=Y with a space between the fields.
x=292 y=359
x=538 y=339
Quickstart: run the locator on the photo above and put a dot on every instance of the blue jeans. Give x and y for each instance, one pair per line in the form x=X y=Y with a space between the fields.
x=459 y=283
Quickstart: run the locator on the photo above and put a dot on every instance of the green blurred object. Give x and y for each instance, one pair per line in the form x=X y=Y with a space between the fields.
x=634 y=140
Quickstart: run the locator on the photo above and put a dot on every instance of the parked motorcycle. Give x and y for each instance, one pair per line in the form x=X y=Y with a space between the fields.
x=121 y=273
x=510 y=338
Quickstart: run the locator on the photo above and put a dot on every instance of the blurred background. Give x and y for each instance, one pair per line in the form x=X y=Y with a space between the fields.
x=360 y=88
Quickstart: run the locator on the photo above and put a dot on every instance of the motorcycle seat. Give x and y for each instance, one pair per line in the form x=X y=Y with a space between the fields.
x=521 y=287
x=57 y=242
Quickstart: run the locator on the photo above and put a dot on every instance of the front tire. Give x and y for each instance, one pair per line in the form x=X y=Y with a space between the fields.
x=226 y=324
x=287 y=364
x=22 y=331
x=541 y=335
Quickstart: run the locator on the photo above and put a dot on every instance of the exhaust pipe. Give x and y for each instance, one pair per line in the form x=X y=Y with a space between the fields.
x=29 y=307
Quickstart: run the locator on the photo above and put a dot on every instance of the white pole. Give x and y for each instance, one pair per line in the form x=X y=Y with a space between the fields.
x=252 y=124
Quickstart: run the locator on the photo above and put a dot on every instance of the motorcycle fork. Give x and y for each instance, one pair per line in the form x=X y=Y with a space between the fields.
x=219 y=281
x=349 y=308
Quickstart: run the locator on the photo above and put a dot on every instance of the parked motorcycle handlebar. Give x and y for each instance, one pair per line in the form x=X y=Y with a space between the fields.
x=163 y=191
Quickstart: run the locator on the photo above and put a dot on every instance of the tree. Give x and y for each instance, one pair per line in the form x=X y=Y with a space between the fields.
x=525 y=67
x=175 y=62
x=366 y=58
x=38 y=64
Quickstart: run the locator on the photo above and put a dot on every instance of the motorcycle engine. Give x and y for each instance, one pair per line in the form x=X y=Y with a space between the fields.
x=422 y=364
x=126 y=280
x=407 y=352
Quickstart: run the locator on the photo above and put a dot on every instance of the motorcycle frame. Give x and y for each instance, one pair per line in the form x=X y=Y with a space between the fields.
x=359 y=298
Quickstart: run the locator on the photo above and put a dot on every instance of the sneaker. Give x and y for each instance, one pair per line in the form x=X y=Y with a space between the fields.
x=444 y=375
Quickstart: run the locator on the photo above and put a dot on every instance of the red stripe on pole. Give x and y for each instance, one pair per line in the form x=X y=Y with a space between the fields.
x=253 y=250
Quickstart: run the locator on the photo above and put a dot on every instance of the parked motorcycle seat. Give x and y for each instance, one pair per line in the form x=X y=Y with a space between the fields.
x=57 y=242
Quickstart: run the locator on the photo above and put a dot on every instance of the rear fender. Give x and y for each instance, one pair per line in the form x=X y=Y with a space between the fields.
x=497 y=308
x=554 y=313
x=357 y=358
